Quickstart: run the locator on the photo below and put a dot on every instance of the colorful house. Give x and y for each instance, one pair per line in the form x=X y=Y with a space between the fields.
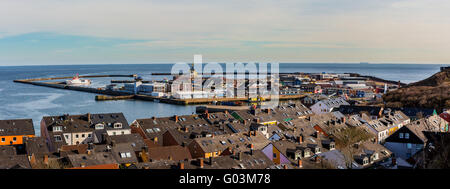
x=13 y=132
x=275 y=154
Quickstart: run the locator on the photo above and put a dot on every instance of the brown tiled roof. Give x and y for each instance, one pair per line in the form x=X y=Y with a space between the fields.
x=103 y=166
x=136 y=140
x=175 y=153
x=85 y=122
x=257 y=160
x=16 y=127
x=78 y=149
x=7 y=150
x=237 y=141
x=14 y=162
x=36 y=145
x=98 y=158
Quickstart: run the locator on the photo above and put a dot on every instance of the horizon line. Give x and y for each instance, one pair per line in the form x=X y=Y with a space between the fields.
x=94 y=64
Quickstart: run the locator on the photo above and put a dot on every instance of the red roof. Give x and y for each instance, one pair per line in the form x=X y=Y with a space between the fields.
x=445 y=116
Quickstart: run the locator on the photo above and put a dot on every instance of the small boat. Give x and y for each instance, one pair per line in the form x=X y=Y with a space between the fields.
x=77 y=81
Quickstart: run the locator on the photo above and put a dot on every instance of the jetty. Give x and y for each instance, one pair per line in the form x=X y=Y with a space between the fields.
x=108 y=94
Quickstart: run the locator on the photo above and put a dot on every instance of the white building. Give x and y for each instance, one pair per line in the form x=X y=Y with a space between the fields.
x=325 y=106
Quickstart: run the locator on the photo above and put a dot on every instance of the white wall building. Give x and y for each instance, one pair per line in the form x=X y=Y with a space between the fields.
x=325 y=106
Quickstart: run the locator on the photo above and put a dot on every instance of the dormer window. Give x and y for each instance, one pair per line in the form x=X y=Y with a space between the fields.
x=117 y=125
x=365 y=161
x=125 y=155
x=317 y=150
x=57 y=128
x=332 y=146
x=375 y=156
x=306 y=153
x=99 y=126
x=406 y=135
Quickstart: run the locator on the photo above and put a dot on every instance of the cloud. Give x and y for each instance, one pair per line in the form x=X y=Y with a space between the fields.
x=381 y=30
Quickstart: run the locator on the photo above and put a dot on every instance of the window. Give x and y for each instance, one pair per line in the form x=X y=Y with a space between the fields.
x=83 y=136
x=76 y=136
x=123 y=132
x=57 y=129
x=365 y=161
x=409 y=145
x=117 y=125
x=400 y=135
x=89 y=135
x=406 y=135
x=274 y=155
x=58 y=138
x=125 y=155
x=14 y=139
x=99 y=126
x=3 y=139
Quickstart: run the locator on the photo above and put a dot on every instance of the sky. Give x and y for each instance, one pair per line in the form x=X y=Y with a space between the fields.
x=161 y=31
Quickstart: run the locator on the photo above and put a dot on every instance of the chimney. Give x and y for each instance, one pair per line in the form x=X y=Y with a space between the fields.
x=300 y=163
x=32 y=159
x=210 y=160
x=154 y=118
x=240 y=156
x=155 y=140
x=143 y=153
x=46 y=159
x=257 y=120
x=317 y=159
x=226 y=112
x=285 y=166
x=201 y=163
x=176 y=118
x=300 y=139
x=207 y=115
x=186 y=129
x=317 y=134
x=245 y=122
x=268 y=110
x=181 y=165
x=89 y=152
x=170 y=158
x=89 y=117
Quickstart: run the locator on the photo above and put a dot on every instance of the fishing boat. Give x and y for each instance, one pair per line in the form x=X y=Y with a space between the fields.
x=77 y=81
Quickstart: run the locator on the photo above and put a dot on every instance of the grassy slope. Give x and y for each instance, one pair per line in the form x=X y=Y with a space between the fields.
x=433 y=92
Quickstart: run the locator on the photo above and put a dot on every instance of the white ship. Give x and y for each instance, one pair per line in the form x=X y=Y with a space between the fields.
x=77 y=81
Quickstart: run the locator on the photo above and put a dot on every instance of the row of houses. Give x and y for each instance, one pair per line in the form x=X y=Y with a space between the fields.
x=287 y=136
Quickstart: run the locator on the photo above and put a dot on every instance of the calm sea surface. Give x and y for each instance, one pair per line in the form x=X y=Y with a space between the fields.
x=28 y=101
